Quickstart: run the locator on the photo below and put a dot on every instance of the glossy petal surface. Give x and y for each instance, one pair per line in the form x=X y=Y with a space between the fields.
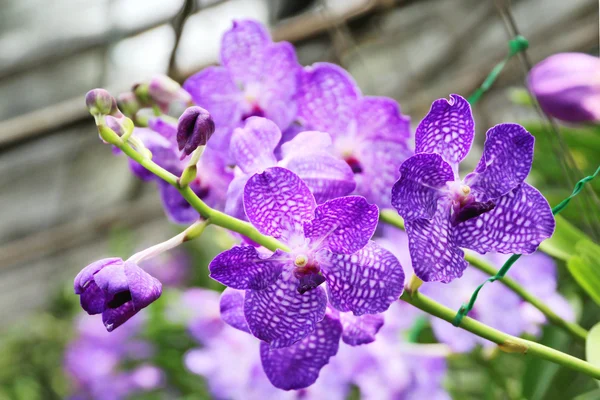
x=280 y=316
x=344 y=225
x=243 y=267
x=277 y=201
x=365 y=282
x=521 y=220
x=448 y=130
x=422 y=180
x=298 y=366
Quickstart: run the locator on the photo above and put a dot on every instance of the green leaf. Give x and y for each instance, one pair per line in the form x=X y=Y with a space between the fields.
x=592 y=346
x=561 y=244
x=585 y=268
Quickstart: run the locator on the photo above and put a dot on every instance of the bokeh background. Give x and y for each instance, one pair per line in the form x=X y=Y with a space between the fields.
x=65 y=200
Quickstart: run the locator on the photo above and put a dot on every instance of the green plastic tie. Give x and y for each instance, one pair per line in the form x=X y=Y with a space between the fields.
x=465 y=308
x=515 y=46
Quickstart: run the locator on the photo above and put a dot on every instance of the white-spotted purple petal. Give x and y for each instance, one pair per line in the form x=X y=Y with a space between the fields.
x=232 y=309
x=243 y=267
x=241 y=50
x=280 y=315
x=214 y=89
x=344 y=225
x=298 y=366
x=422 y=180
x=252 y=146
x=365 y=282
x=277 y=201
x=327 y=177
x=433 y=249
x=521 y=220
x=505 y=163
x=360 y=330
x=380 y=118
x=448 y=130
x=327 y=99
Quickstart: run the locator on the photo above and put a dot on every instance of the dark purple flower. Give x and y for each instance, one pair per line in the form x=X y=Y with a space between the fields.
x=194 y=129
x=567 y=86
x=256 y=78
x=331 y=239
x=492 y=209
x=306 y=155
x=115 y=288
x=369 y=133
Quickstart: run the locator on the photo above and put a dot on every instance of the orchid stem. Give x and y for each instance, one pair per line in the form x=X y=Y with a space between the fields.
x=506 y=342
x=216 y=217
x=392 y=218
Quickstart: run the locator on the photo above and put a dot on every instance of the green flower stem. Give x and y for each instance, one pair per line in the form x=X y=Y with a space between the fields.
x=216 y=217
x=392 y=218
x=507 y=343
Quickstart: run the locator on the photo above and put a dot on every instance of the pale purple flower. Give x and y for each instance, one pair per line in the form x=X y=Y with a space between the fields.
x=170 y=268
x=492 y=209
x=256 y=78
x=116 y=289
x=329 y=243
x=369 y=133
x=567 y=86
x=306 y=155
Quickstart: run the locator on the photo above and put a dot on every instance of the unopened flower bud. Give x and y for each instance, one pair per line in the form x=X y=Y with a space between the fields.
x=194 y=129
x=164 y=90
x=128 y=103
x=116 y=289
x=100 y=102
x=567 y=86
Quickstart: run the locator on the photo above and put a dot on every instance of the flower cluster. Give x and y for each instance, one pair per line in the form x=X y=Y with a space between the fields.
x=306 y=159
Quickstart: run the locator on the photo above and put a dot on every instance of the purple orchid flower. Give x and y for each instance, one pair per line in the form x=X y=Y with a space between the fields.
x=492 y=209
x=306 y=155
x=567 y=86
x=328 y=243
x=116 y=289
x=212 y=178
x=297 y=366
x=256 y=78
x=369 y=133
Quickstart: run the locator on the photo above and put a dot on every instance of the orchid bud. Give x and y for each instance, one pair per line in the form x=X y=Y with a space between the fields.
x=128 y=103
x=194 y=129
x=567 y=86
x=116 y=289
x=164 y=90
x=100 y=102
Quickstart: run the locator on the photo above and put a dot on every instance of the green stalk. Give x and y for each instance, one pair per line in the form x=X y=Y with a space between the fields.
x=392 y=218
x=507 y=343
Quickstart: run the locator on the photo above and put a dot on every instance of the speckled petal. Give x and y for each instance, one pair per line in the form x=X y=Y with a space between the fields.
x=241 y=50
x=422 y=180
x=521 y=220
x=327 y=99
x=365 y=282
x=252 y=146
x=380 y=118
x=280 y=315
x=278 y=201
x=243 y=267
x=327 y=177
x=505 y=163
x=298 y=366
x=214 y=89
x=232 y=309
x=344 y=225
x=360 y=330
x=380 y=161
x=448 y=130
x=433 y=249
